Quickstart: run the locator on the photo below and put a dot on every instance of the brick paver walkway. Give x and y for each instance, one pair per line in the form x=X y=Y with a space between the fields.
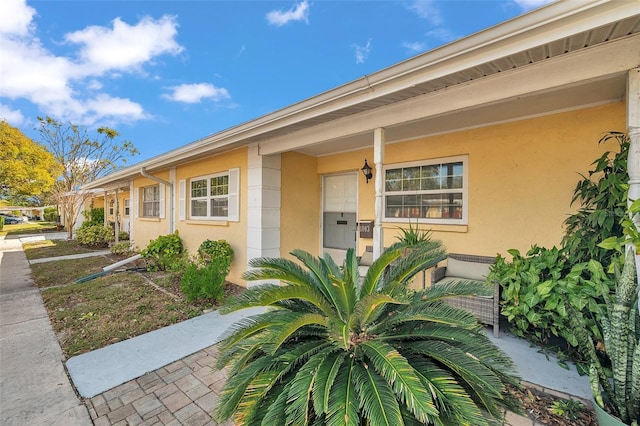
x=184 y=393
x=181 y=393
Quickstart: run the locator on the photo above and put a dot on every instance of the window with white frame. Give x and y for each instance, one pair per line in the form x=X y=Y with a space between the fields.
x=151 y=201
x=430 y=192
x=111 y=204
x=209 y=196
x=127 y=206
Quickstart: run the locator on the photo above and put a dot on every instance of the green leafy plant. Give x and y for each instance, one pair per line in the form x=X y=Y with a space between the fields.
x=50 y=214
x=1 y=223
x=620 y=323
x=569 y=408
x=631 y=234
x=203 y=282
x=602 y=196
x=328 y=350
x=219 y=251
x=122 y=248
x=413 y=235
x=123 y=235
x=95 y=235
x=535 y=286
x=165 y=253
x=92 y=217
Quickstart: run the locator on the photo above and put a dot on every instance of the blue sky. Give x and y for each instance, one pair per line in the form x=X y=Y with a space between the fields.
x=166 y=73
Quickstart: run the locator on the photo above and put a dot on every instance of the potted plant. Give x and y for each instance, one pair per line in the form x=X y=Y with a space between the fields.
x=327 y=350
x=614 y=369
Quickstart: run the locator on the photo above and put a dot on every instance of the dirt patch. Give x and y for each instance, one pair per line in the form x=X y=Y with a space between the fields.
x=540 y=406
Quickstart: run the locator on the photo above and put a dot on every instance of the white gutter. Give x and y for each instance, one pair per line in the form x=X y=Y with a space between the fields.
x=144 y=173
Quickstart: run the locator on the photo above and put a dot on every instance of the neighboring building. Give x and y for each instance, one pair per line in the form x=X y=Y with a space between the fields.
x=481 y=140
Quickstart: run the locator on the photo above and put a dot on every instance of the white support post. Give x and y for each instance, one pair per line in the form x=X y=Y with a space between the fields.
x=633 y=129
x=116 y=212
x=378 y=159
x=263 y=205
x=106 y=209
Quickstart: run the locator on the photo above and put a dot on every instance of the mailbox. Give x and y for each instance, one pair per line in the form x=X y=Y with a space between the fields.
x=366 y=229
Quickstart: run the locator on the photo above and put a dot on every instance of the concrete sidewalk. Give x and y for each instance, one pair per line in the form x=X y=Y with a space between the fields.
x=34 y=387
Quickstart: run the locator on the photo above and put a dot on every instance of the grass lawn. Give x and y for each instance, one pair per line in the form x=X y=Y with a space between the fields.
x=87 y=316
x=53 y=248
x=109 y=309
x=62 y=272
x=28 y=228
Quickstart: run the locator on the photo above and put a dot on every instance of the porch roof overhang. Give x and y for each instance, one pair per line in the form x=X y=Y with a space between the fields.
x=563 y=56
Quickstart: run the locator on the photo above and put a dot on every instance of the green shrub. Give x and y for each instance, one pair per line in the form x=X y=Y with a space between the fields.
x=203 y=283
x=165 y=253
x=123 y=235
x=95 y=235
x=50 y=214
x=1 y=223
x=219 y=251
x=122 y=248
x=93 y=217
x=602 y=198
x=535 y=285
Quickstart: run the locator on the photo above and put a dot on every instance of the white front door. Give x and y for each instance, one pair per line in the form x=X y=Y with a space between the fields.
x=339 y=214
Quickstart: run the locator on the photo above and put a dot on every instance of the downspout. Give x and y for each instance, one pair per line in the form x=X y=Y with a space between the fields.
x=144 y=173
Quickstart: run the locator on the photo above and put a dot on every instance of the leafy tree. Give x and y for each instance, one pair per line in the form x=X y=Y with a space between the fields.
x=334 y=349
x=27 y=169
x=83 y=158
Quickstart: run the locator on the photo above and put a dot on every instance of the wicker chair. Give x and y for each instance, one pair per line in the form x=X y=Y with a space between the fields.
x=466 y=267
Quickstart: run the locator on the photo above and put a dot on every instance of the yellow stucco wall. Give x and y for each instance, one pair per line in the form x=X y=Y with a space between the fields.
x=194 y=232
x=300 y=204
x=521 y=177
x=147 y=229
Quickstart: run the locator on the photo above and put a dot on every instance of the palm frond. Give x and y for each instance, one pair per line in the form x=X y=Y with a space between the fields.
x=343 y=400
x=376 y=272
x=438 y=313
x=327 y=373
x=235 y=387
x=365 y=308
x=254 y=395
x=484 y=386
x=269 y=268
x=299 y=402
x=275 y=412
x=290 y=324
x=452 y=400
x=269 y=295
x=391 y=365
x=320 y=278
x=377 y=400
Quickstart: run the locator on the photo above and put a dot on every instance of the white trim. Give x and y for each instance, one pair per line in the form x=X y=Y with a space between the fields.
x=136 y=203
x=161 y=193
x=464 y=159
x=232 y=196
x=182 y=196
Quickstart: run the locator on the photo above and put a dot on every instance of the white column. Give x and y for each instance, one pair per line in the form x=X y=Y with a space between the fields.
x=133 y=204
x=116 y=212
x=106 y=209
x=378 y=159
x=633 y=129
x=172 y=202
x=263 y=205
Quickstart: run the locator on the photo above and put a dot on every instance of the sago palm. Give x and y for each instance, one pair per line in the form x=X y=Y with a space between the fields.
x=331 y=350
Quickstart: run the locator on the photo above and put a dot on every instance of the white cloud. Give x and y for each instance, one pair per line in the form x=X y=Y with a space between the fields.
x=442 y=34
x=13 y=117
x=298 y=12
x=426 y=9
x=195 y=93
x=414 y=46
x=531 y=4
x=70 y=87
x=124 y=46
x=362 y=52
x=15 y=17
